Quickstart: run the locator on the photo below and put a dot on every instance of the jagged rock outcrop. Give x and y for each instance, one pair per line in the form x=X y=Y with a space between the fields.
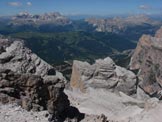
x=147 y=58
x=33 y=92
x=29 y=81
x=103 y=74
x=96 y=83
x=158 y=34
x=15 y=56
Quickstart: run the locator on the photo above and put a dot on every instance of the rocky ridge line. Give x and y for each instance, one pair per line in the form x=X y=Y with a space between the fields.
x=147 y=59
x=24 y=18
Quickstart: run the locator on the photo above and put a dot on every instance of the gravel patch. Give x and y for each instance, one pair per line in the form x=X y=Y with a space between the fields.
x=14 y=113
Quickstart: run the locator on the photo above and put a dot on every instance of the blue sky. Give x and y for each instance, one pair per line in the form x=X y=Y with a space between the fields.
x=88 y=7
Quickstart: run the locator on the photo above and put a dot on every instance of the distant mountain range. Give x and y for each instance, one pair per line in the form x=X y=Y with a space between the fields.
x=56 y=38
x=127 y=26
x=52 y=18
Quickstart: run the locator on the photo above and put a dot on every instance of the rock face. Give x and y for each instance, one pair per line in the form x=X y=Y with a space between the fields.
x=103 y=74
x=96 y=83
x=32 y=92
x=27 y=80
x=147 y=58
x=15 y=56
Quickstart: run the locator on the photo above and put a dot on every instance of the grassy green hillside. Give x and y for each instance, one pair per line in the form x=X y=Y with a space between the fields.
x=58 y=47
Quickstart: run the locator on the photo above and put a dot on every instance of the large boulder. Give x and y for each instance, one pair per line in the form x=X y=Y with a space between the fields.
x=102 y=74
x=147 y=59
x=33 y=92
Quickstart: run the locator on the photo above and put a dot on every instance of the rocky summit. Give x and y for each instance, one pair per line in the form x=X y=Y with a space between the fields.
x=61 y=61
x=103 y=74
x=27 y=80
x=15 y=56
x=104 y=88
x=147 y=58
x=98 y=92
x=33 y=93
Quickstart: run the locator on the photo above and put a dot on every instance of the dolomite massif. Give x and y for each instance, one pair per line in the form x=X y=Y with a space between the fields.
x=103 y=91
x=120 y=25
x=25 y=18
x=122 y=96
x=147 y=59
x=104 y=74
x=27 y=80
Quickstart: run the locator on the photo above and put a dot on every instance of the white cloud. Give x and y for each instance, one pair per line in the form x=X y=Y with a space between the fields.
x=145 y=7
x=29 y=4
x=15 y=4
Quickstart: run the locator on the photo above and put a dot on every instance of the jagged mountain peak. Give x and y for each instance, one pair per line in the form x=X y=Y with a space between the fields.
x=121 y=24
x=25 y=18
x=15 y=56
x=147 y=59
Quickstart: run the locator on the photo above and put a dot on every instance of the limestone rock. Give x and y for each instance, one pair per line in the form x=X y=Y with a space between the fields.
x=29 y=81
x=147 y=59
x=103 y=74
x=116 y=107
x=159 y=33
x=141 y=95
x=15 y=56
x=33 y=92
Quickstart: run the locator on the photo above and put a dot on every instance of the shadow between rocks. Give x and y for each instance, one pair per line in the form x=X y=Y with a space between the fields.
x=71 y=114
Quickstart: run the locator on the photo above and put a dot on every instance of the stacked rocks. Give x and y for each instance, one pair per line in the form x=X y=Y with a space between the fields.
x=27 y=80
x=104 y=74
